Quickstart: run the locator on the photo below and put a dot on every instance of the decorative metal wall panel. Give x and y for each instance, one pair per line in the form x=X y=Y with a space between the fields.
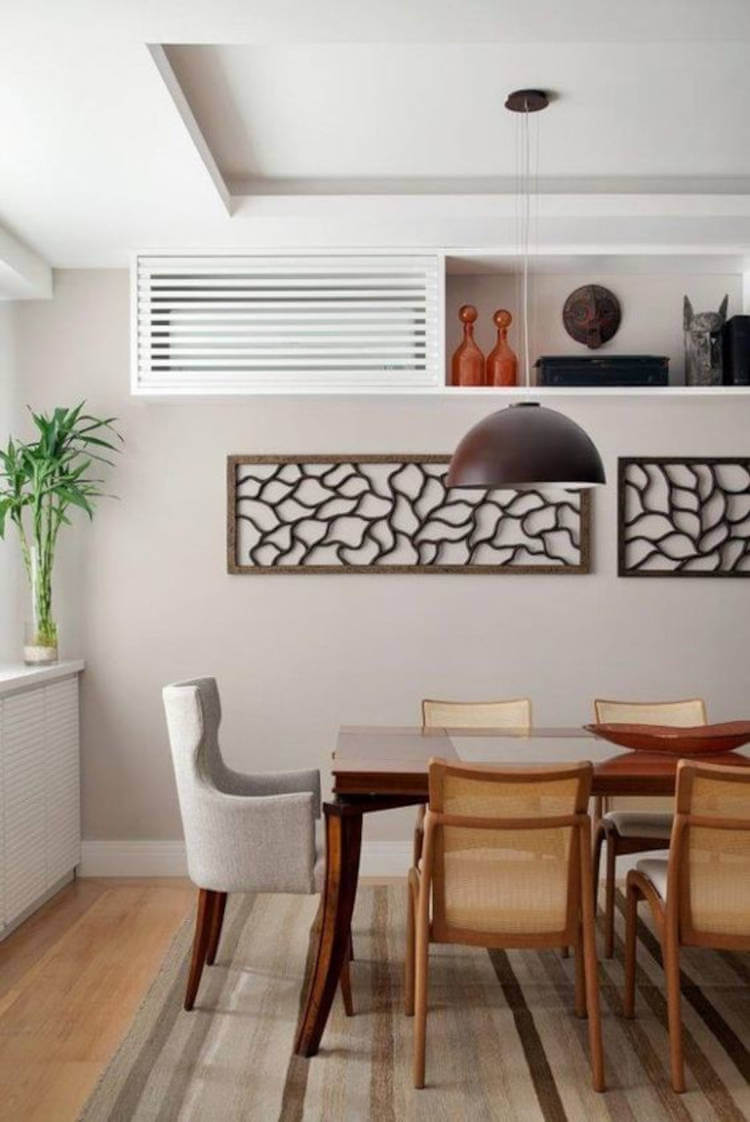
x=393 y=514
x=684 y=517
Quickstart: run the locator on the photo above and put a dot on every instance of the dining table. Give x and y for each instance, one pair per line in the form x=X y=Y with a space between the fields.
x=378 y=768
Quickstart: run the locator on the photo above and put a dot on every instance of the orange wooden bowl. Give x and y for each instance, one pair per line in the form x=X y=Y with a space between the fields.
x=702 y=740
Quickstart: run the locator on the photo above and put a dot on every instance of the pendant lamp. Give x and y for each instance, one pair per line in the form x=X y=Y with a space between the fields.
x=526 y=445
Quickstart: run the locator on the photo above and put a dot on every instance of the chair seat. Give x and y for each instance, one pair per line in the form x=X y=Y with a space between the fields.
x=637 y=824
x=655 y=869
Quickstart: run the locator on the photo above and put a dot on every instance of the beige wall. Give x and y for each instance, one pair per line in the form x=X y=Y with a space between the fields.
x=143 y=593
x=11 y=609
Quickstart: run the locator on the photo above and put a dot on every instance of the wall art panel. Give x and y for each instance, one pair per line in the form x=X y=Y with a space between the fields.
x=393 y=514
x=684 y=517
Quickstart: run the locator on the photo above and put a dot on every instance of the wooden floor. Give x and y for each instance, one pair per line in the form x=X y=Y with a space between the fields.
x=71 y=979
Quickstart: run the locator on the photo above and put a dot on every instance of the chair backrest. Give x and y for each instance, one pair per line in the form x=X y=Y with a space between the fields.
x=502 y=850
x=709 y=865
x=681 y=714
x=193 y=712
x=513 y=713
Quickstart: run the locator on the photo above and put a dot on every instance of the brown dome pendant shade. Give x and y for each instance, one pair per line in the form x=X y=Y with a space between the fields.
x=526 y=446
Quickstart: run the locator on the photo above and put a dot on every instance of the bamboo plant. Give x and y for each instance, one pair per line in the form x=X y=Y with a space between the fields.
x=40 y=482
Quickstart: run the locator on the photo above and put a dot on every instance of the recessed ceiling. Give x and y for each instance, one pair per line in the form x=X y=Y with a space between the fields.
x=394 y=109
x=360 y=114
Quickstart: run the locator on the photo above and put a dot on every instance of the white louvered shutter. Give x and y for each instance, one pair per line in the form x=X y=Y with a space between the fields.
x=39 y=794
x=24 y=796
x=63 y=782
x=285 y=324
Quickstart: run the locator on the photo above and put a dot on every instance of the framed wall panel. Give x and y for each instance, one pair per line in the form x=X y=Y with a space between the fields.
x=684 y=516
x=393 y=514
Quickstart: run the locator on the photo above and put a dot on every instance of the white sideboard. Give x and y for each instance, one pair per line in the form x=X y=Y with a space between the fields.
x=40 y=833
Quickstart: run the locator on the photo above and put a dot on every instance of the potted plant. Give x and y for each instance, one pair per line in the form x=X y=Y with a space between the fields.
x=40 y=482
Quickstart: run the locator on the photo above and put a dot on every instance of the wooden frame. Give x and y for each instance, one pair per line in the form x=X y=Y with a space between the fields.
x=425 y=888
x=235 y=566
x=672 y=917
x=626 y=568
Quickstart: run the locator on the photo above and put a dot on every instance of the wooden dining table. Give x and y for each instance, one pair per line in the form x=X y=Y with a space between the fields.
x=379 y=768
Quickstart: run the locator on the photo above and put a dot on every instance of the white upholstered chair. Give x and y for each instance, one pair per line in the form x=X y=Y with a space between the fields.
x=627 y=827
x=243 y=833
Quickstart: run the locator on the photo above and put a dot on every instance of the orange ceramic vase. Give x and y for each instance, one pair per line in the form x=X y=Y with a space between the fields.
x=467 y=365
x=502 y=364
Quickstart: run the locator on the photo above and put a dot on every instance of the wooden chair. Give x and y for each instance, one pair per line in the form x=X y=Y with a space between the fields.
x=700 y=895
x=622 y=822
x=243 y=833
x=515 y=712
x=506 y=863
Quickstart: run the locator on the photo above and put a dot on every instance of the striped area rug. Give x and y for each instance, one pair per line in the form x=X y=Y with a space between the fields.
x=503 y=1042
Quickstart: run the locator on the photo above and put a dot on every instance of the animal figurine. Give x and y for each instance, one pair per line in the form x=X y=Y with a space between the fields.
x=703 y=344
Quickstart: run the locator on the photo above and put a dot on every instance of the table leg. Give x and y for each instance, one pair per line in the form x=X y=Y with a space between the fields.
x=343 y=842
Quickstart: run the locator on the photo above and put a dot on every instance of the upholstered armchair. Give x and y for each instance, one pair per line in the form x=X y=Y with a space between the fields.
x=243 y=833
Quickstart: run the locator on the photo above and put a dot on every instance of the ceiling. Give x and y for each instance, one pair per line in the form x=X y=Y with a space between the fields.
x=337 y=123
x=398 y=112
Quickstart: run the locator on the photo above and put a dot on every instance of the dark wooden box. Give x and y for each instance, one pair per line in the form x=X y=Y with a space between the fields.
x=601 y=370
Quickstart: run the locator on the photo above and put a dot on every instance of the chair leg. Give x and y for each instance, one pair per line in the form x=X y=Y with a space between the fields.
x=200 y=943
x=600 y=837
x=609 y=899
x=418 y=838
x=351 y=946
x=409 y=956
x=217 y=919
x=590 y=964
x=580 y=992
x=345 y=982
x=631 y=917
x=671 y=956
x=420 y=999
x=599 y=809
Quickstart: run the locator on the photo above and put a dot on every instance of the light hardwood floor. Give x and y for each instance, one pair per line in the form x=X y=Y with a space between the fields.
x=71 y=979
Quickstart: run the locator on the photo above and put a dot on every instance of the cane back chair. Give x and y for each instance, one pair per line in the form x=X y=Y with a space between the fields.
x=625 y=823
x=506 y=862
x=700 y=895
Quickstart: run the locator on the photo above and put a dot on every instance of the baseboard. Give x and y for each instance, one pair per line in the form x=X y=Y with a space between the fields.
x=167 y=859
x=133 y=859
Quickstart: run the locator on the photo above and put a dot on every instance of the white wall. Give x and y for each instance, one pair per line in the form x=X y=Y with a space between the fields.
x=144 y=596
x=10 y=607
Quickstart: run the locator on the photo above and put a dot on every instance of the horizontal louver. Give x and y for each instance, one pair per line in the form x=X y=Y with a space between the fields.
x=285 y=324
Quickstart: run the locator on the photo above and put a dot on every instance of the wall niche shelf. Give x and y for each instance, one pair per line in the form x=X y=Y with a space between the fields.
x=497 y=395
x=599 y=391
x=386 y=323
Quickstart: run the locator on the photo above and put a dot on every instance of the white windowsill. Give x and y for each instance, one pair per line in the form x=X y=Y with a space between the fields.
x=16 y=675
